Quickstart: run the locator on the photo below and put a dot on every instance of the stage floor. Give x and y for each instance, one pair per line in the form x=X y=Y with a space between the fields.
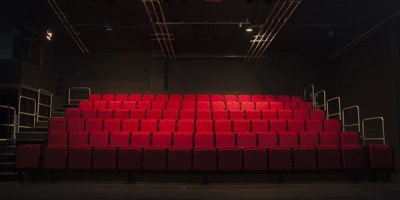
x=118 y=190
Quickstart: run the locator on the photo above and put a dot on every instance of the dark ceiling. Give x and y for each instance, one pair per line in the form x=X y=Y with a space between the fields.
x=317 y=28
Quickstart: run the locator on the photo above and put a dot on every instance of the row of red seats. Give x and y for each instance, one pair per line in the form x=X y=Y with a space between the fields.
x=193 y=97
x=174 y=105
x=74 y=113
x=206 y=159
x=203 y=139
x=150 y=125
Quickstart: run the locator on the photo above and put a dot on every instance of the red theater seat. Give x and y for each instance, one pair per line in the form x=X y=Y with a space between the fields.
x=284 y=98
x=253 y=114
x=100 y=105
x=148 y=125
x=329 y=158
x=167 y=125
x=57 y=124
x=104 y=158
x=257 y=98
x=148 y=97
x=135 y=97
x=130 y=125
x=285 y=114
x=205 y=159
x=305 y=106
x=80 y=157
x=216 y=97
x=204 y=140
x=270 y=98
x=301 y=114
x=332 y=125
x=236 y=114
x=95 y=97
x=57 y=138
x=179 y=159
x=381 y=157
x=187 y=114
x=130 y=105
x=73 y=113
x=255 y=159
x=240 y=126
x=175 y=97
x=162 y=97
x=154 y=114
x=225 y=140
x=222 y=126
x=296 y=125
x=85 y=105
x=55 y=157
x=203 y=105
x=76 y=125
x=329 y=139
x=280 y=158
x=314 y=125
x=297 y=98
x=183 y=139
x=203 y=114
x=276 y=105
x=204 y=126
x=108 y=97
x=267 y=139
x=27 y=156
x=353 y=158
x=129 y=158
x=203 y=98
x=78 y=138
x=309 y=139
x=229 y=159
x=247 y=105
x=220 y=114
x=138 y=114
x=277 y=125
x=121 y=114
x=246 y=140
x=98 y=138
x=244 y=98
x=317 y=114
x=161 y=139
x=186 y=125
x=232 y=106
x=94 y=125
x=189 y=97
x=288 y=139
x=158 y=105
x=262 y=105
x=105 y=114
x=218 y=106
x=140 y=139
x=114 y=105
x=173 y=105
x=119 y=139
x=259 y=126
x=349 y=138
x=188 y=105
x=269 y=114
x=291 y=105
x=144 y=105
x=171 y=114
x=230 y=97
x=304 y=158
x=154 y=158
x=121 y=97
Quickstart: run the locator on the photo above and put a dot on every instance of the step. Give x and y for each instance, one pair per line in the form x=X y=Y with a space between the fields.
x=7 y=154
x=9 y=174
x=7 y=163
x=70 y=106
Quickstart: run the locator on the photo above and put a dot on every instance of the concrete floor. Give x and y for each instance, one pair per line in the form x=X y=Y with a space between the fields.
x=116 y=191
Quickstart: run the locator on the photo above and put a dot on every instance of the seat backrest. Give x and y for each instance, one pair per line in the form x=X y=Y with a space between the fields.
x=309 y=139
x=204 y=125
x=186 y=125
x=277 y=125
x=230 y=97
x=130 y=125
x=240 y=126
x=244 y=98
x=93 y=125
x=111 y=125
x=225 y=140
x=140 y=139
x=259 y=126
x=204 y=139
x=222 y=126
x=289 y=139
x=161 y=139
x=78 y=138
x=267 y=139
x=183 y=139
x=296 y=125
x=329 y=138
x=248 y=139
x=148 y=125
x=257 y=98
x=167 y=125
x=98 y=138
x=220 y=114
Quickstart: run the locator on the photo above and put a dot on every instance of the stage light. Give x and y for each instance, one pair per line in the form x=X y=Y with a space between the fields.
x=49 y=35
x=249 y=30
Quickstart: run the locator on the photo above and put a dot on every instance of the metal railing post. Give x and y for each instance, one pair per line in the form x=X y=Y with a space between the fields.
x=26 y=113
x=328 y=114
x=70 y=90
x=9 y=124
x=40 y=104
x=383 y=138
x=311 y=96
x=317 y=105
x=344 y=125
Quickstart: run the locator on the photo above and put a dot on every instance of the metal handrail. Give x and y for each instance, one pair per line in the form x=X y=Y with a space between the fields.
x=70 y=99
x=344 y=125
x=26 y=113
x=383 y=129
x=312 y=94
x=328 y=115
x=8 y=125
x=39 y=104
x=319 y=106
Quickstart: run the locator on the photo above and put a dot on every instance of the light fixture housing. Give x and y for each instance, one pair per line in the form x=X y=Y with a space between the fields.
x=249 y=30
x=49 y=35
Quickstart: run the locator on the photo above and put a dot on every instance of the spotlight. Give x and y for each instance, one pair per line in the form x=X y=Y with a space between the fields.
x=49 y=35
x=249 y=30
